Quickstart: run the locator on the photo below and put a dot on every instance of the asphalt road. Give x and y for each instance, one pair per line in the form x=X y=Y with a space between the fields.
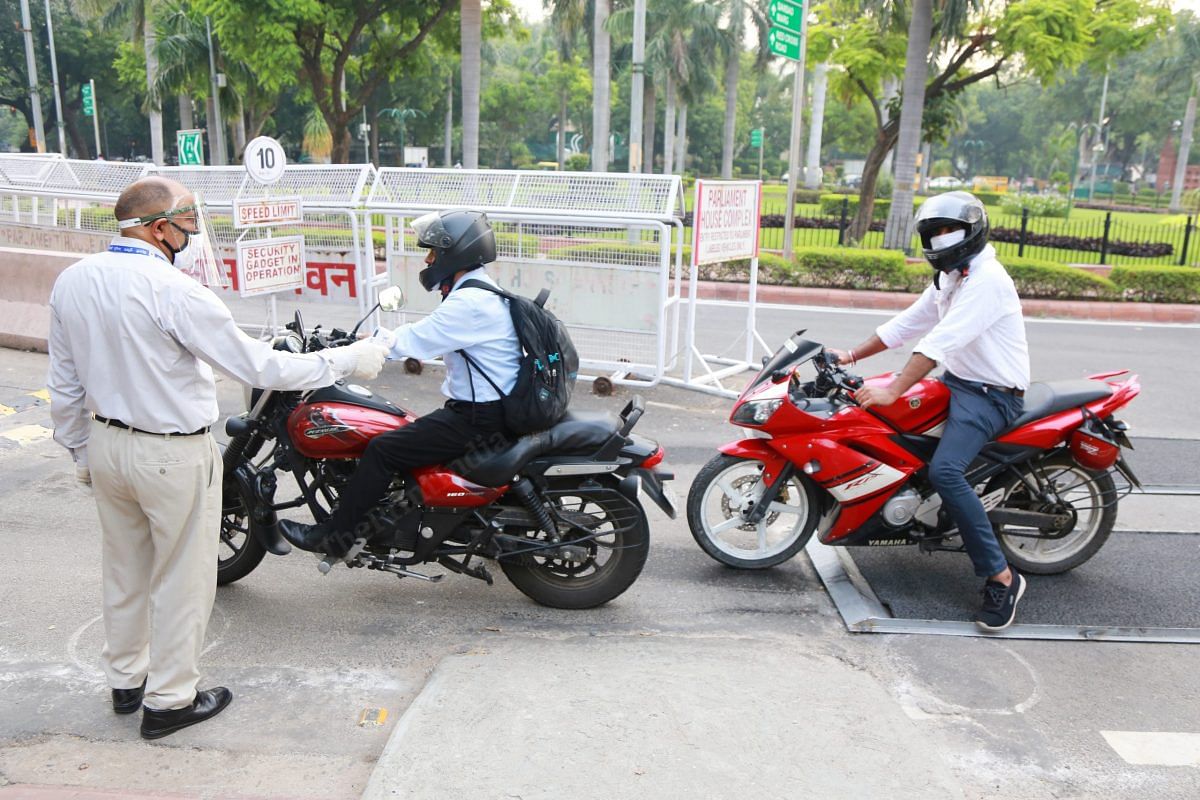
x=307 y=654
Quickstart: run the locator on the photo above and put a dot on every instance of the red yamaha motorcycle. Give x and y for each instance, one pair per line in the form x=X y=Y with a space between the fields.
x=817 y=462
x=560 y=510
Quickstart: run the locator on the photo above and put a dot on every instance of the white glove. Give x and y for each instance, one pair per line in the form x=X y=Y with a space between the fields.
x=385 y=337
x=363 y=359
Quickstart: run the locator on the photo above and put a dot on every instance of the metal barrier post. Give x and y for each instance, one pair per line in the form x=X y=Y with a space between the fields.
x=842 y=221
x=1024 y=232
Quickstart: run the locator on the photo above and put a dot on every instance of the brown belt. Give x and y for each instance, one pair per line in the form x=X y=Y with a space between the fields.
x=116 y=423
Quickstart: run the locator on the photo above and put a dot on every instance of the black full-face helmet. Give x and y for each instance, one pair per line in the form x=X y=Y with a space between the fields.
x=460 y=239
x=958 y=210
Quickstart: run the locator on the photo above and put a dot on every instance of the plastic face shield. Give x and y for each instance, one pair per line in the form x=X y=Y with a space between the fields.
x=202 y=262
x=431 y=232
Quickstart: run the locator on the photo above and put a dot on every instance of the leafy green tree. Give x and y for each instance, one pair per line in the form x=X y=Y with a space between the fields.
x=342 y=50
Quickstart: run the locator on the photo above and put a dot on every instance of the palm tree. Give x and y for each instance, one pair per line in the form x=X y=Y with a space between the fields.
x=567 y=19
x=472 y=43
x=735 y=34
x=898 y=232
x=139 y=16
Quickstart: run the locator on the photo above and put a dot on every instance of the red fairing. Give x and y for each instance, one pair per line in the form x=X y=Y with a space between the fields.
x=338 y=430
x=923 y=407
x=1053 y=430
x=442 y=488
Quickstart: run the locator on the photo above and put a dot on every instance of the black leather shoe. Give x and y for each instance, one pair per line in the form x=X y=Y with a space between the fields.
x=306 y=537
x=208 y=703
x=127 y=701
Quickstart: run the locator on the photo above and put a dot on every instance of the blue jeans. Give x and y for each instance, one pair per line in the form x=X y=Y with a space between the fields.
x=976 y=416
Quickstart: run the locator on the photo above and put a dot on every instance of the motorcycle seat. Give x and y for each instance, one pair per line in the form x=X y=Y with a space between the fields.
x=1044 y=399
x=579 y=433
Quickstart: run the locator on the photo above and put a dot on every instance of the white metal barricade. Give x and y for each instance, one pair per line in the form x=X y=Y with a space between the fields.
x=601 y=242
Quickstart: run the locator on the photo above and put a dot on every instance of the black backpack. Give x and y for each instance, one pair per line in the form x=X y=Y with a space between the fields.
x=548 y=368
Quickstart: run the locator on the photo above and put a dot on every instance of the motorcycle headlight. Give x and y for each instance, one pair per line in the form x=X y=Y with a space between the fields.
x=756 y=412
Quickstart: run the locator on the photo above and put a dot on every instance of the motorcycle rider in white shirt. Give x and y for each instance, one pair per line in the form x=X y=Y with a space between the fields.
x=970 y=322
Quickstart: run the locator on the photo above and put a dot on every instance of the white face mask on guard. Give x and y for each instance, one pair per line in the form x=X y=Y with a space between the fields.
x=947 y=239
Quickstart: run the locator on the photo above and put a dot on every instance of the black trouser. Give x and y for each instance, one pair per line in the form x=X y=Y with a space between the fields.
x=450 y=434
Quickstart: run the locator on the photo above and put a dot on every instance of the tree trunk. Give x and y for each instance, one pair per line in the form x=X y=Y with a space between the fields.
x=885 y=139
x=1185 y=146
x=560 y=144
x=339 y=133
x=732 y=70
x=669 y=128
x=649 y=110
x=681 y=141
x=891 y=88
x=448 y=133
x=601 y=63
x=898 y=231
x=926 y=157
x=373 y=136
x=812 y=163
x=187 y=120
x=239 y=133
x=149 y=40
x=472 y=43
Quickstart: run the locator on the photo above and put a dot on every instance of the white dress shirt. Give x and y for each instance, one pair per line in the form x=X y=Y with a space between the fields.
x=134 y=339
x=477 y=322
x=972 y=326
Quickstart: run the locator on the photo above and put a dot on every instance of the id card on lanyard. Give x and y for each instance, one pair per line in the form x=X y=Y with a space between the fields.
x=140 y=251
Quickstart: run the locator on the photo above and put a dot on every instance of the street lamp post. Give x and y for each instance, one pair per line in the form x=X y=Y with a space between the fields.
x=1080 y=130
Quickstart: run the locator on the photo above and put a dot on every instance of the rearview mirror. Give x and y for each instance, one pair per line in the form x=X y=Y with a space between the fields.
x=391 y=299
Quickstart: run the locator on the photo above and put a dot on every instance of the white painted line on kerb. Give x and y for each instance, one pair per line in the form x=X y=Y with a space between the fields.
x=1149 y=748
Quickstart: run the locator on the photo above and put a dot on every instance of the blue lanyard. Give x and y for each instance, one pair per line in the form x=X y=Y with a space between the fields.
x=139 y=251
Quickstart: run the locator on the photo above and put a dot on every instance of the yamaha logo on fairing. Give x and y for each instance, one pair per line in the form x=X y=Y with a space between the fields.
x=887 y=542
x=324 y=424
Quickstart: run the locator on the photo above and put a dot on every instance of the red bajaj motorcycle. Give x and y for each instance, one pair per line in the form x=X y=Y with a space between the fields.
x=560 y=510
x=816 y=461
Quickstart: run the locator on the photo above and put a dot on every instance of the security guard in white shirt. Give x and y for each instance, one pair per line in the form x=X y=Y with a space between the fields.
x=473 y=331
x=971 y=323
x=132 y=344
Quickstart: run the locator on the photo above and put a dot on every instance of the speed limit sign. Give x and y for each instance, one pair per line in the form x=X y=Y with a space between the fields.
x=264 y=159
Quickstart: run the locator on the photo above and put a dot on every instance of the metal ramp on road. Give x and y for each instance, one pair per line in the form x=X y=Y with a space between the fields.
x=1138 y=588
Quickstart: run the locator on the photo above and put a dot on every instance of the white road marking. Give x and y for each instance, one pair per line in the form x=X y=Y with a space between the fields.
x=27 y=434
x=1157 y=749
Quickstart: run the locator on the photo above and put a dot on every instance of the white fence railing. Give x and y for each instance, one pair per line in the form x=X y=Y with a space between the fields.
x=604 y=244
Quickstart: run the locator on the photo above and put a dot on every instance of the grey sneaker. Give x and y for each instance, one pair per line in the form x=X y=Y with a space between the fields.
x=1000 y=603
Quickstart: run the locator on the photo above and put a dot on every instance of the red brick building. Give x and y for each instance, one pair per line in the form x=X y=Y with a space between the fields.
x=1166 y=169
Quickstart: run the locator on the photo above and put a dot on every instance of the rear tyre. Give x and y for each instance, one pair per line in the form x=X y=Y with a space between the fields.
x=596 y=570
x=239 y=552
x=726 y=486
x=1088 y=496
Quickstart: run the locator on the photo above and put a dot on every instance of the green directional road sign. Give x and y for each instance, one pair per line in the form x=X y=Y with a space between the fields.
x=191 y=148
x=756 y=137
x=785 y=14
x=784 y=43
x=89 y=103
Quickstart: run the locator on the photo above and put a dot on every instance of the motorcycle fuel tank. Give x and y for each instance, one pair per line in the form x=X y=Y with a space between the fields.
x=327 y=429
x=919 y=410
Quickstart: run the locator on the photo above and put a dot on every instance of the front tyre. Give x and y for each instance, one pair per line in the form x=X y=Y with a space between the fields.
x=239 y=552
x=605 y=540
x=1088 y=497
x=728 y=486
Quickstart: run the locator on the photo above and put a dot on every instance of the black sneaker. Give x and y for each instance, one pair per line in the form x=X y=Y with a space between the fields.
x=1000 y=603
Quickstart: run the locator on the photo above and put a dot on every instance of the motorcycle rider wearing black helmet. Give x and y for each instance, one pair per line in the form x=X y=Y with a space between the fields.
x=970 y=322
x=469 y=319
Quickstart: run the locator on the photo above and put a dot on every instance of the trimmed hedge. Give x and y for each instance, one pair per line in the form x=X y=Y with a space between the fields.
x=1035 y=278
x=1158 y=284
x=851 y=268
x=831 y=205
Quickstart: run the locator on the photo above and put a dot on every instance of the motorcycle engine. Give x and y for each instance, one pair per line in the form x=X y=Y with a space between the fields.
x=899 y=511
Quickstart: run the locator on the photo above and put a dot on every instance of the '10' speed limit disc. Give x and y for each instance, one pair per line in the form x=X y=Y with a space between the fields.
x=264 y=159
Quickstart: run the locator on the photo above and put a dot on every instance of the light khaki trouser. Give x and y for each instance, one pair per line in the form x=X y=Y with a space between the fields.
x=159 y=501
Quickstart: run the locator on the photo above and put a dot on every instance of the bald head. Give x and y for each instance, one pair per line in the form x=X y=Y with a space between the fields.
x=152 y=195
